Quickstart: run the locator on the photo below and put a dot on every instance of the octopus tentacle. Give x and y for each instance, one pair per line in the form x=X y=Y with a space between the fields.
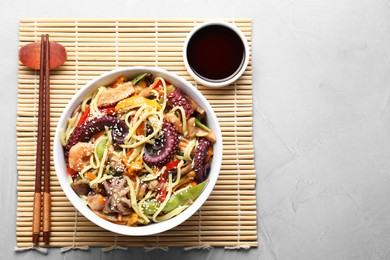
x=117 y=201
x=200 y=155
x=85 y=131
x=165 y=154
x=177 y=99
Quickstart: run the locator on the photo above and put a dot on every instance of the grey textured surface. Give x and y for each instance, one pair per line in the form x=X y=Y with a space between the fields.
x=321 y=122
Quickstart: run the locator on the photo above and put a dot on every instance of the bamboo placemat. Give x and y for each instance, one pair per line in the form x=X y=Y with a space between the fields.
x=94 y=46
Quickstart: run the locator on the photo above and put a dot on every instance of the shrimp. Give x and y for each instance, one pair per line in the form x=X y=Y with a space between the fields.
x=175 y=121
x=79 y=155
x=113 y=95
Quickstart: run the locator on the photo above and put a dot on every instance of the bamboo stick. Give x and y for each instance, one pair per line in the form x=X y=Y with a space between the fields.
x=194 y=225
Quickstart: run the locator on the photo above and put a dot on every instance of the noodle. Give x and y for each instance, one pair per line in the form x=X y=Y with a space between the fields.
x=183 y=117
x=171 y=214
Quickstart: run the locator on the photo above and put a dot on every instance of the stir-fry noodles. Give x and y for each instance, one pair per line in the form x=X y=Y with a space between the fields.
x=138 y=151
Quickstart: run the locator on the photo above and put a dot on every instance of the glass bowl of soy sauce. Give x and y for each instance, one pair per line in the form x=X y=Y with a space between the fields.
x=216 y=53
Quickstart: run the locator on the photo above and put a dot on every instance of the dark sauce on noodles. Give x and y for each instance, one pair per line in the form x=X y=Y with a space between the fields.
x=215 y=53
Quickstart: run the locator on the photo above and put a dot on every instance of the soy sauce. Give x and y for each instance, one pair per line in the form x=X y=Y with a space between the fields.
x=215 y=53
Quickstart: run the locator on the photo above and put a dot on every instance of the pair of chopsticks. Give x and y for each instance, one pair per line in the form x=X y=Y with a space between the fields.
x=43 y=149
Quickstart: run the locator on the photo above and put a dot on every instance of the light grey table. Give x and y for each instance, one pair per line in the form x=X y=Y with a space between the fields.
x=321 y=73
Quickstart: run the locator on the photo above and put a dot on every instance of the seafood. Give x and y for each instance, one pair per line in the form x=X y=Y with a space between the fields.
x=169 y=147
x=176 y=98
x=199 y=160
x=117 y=200
x=79 y=155
x=85 y=131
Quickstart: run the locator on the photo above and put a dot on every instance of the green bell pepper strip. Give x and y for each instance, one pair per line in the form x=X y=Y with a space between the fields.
x=138 y=78
x=179 y=199
x=201 y=125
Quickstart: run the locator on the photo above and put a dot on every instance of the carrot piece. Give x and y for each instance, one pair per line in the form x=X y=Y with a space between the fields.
x=102 y=200
x=129 y=152
x=133 y=219
x=210 y=153
x=194 y=183
x=97 y=135
x=140 y=129
x=133 y=168
x=147 y=90
x=130 y=174
x=91 y=176
x=118 y=81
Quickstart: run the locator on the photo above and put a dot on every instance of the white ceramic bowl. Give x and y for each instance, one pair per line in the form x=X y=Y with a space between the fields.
x=229 y=80
x=60 y=165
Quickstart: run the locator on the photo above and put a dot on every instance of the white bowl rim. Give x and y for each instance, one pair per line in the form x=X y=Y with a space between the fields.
x=229 y=81
x=154 y=228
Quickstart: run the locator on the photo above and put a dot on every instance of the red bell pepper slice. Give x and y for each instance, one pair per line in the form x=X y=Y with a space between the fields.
x=163 y=180
x=71 y=171
x=84 y=116
x=108 y=110
x=171 y=165
x=162 y=194
x=159 y=87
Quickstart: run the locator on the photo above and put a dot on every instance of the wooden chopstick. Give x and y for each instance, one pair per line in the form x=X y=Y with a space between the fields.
x=36 y=225
x=43 y=148
x=46 y=170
